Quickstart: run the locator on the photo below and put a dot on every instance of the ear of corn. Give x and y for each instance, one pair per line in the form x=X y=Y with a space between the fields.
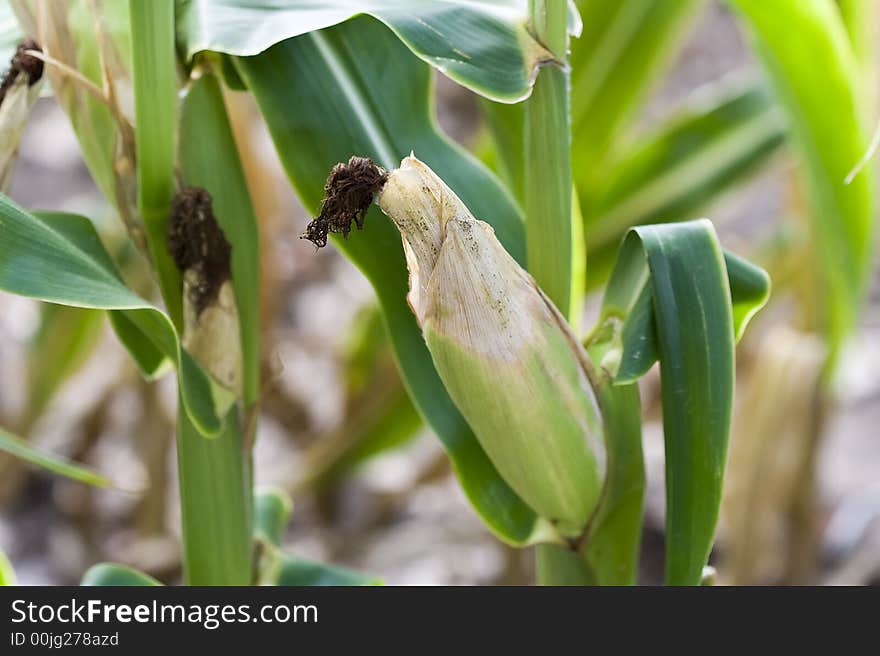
x=503 y=351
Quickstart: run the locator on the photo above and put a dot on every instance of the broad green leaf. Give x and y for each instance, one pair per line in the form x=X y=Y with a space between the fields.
x=7 y=574
x=687 y=162
x=209 y=159
x=623 y=47
x=56 y=464
x=114 y=575
x=669 y=299
x=58 y=258
x=810 y=61
x=272 y=510
x=296 y=572
x=322 y=100
x=481 y=44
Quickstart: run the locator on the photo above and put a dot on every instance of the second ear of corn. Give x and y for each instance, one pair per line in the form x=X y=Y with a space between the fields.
x=505 y=354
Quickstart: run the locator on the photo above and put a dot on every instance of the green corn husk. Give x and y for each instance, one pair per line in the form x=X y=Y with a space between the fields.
x=505 y=354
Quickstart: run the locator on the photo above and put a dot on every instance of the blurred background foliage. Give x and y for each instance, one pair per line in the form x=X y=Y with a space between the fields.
x=679 y=110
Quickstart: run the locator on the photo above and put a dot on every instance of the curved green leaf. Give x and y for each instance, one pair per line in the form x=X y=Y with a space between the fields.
x=810 y=61
x=669 y=299
x=272 y=510
x=299 y=572
x=319 y=97
x=481 y=44
x=114 y=575
x=209 y=159
x=59 y=258
x=56 y=464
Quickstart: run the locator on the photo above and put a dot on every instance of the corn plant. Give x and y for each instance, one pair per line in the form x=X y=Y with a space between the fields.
x=479 y=276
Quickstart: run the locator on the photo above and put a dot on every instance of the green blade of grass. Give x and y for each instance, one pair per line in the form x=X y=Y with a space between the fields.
x=19 y=448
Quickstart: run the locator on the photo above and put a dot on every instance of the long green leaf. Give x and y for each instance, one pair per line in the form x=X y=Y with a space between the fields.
x=821 y=95
x=481 y=44
x=319 y=96
x=209 y=159
x=669 y=299
x=59 y=258
x=16 y=446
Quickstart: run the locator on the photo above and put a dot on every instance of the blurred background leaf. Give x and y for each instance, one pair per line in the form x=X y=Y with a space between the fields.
x=114 y=575
x=16 y=446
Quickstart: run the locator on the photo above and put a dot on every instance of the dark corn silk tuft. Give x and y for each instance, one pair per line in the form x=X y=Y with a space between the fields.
x=348 y=194
x=197 y=243
x=22 y=62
